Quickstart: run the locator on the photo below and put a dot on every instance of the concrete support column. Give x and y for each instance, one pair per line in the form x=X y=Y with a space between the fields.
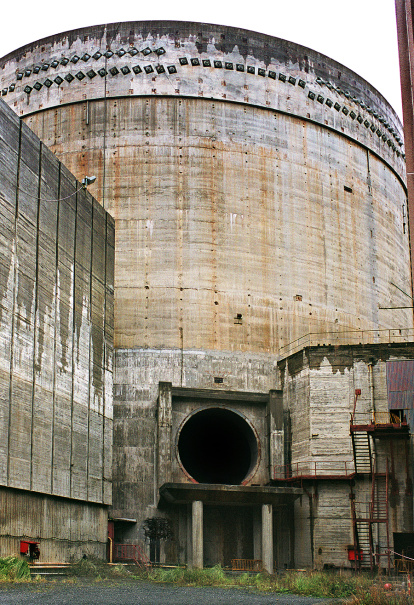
x=197 y=534
x=163 y=444
x=257 y=533
x=267 y=537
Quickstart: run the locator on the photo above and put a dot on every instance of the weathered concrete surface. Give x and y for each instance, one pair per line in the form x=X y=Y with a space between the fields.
x=256 y=199
x=227 y=186
x=56 y=339
x=319 y=389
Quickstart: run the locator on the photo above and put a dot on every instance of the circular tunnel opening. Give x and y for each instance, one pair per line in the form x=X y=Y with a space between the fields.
x=218 y=446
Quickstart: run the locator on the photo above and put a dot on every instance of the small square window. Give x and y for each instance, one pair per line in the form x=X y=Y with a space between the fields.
x=172 y=69
x=102 y=72
x=218 y=64
x=206 y=63
x=302 y=83
x=282 y=77
x=80 y=75
x=183 y=61
x=160 y=69
x=311 y=95
x=136 y=69
x=328 y=102
x=251 y=69
x=113 y=71
x=69 y=78
x=125 y=70
x=239 y=67
x=148 y=69
x=146 y=51
x=195 y=62
x=337 y=106
x=228 y=65
x=91 y=74
x=261 y=72
x=292 y=80
x=272 y=74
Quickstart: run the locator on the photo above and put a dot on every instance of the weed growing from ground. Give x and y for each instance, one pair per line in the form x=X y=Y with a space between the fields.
x=357 y=589
x=12 y=569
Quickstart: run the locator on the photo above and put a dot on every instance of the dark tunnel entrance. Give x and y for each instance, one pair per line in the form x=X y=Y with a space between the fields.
x=218 y=446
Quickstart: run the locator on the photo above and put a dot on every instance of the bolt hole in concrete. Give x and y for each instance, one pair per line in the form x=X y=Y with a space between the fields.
x=218 y=446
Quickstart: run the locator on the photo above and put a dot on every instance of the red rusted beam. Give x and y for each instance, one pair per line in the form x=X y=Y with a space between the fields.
x=404 y=13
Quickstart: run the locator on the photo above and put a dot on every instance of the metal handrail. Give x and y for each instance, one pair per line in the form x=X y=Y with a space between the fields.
x=131 y=552
x=347 y=337
x=299 y=470
x=377 y=418
x=247 y=565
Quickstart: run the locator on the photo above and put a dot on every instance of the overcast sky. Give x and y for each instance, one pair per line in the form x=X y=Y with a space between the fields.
x=361 y=34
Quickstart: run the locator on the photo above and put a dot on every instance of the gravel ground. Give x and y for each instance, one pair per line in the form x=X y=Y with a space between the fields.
x=141 y=594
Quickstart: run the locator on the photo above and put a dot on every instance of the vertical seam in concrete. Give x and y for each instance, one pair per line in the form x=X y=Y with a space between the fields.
x=52 y=453
x=13 y=310
x=90 y=359
x=372 y=248
x=104 y=361
x=104 y=137
x=73 y=345
x=36 y=309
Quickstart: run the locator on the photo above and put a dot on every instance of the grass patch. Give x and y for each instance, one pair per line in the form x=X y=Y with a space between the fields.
x=97 y=569
x=12 y=569
x=213 y=576
x=356 y=589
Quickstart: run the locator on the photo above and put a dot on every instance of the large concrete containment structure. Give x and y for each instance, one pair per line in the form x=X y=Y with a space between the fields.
x=258 y=191
x=56 y=331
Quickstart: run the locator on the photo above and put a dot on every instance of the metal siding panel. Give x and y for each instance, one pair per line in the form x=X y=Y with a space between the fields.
x=400 y=384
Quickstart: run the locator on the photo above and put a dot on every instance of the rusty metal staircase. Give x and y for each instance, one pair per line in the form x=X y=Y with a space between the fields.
x=367 y=517
x=363 y=452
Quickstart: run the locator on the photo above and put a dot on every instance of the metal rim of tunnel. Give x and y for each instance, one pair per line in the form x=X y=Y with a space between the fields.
x=252 y=437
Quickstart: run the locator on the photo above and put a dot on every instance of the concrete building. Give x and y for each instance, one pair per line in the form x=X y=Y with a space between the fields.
x=56 y=335
x=258 y=191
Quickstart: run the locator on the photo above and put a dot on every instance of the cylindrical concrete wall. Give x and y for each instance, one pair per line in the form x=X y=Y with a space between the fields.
x=257 y=186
